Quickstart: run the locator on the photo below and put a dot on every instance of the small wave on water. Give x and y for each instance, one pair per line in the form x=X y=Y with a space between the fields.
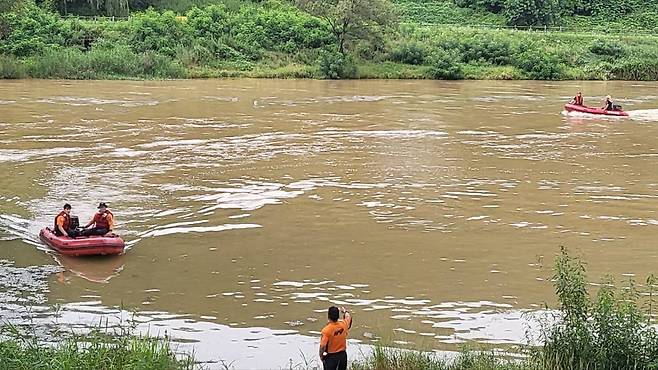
x=14 y=227
x=644 y=114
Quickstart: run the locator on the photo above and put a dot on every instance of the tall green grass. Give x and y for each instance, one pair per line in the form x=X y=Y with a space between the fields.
x=384 y=358
x=93 y=351
x=11 y=68
x=611 y=330
x=102 y=63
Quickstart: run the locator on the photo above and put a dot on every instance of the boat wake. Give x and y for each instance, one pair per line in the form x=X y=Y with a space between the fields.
x=644 y=114
x=648 y=115
x=590 y=116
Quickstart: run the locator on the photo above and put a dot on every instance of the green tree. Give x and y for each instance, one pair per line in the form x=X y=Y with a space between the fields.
x=352 y=19
x=112 y=7
x=531 y=12
x=12 y=5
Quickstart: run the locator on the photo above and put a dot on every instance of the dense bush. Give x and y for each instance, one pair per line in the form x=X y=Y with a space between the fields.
x=531 y=12
x=409 y=53
x=335 y=65
x=11 y=67
x=282 y=28
x=495 y=6
x=607 y=48
x=496 y=51
x=608 y=333
x=636 y=69
x=119 y=61
x=32 y=31
x=159 y=32
x=445 y=66
x=539 y=65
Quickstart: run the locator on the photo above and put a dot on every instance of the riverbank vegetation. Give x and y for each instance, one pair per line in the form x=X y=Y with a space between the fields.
x=92 y=351
x=607 y=329
x=314 y=39
x=601 y=325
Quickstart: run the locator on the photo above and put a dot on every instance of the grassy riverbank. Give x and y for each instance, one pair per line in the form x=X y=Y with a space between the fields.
x=610 y=329
x=273 y=39
x=94 y=351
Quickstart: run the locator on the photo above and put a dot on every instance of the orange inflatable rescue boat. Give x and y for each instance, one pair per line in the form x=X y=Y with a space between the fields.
x=83 y=246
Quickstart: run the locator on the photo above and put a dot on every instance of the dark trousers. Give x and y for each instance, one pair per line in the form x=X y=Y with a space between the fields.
x=335 y=361
x=72 y=233
x=94 y=231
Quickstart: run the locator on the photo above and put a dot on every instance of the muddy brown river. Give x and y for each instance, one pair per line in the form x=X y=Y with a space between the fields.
x=432 y=209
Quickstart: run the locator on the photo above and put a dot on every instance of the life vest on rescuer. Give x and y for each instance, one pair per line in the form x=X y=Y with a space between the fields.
x=65 y=225
x=101 y=220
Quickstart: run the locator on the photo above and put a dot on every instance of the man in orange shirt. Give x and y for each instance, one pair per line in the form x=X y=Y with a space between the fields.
x=103 y=222
x=333 y=344
x=63 y=223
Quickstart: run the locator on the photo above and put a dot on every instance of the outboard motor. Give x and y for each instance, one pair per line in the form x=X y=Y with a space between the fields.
x=74 y=223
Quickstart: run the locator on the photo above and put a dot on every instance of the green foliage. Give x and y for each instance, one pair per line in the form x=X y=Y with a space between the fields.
x=494 y=6
x=497 y=51
x=278 y=28
x=608 y=333
x=445 y=66
x=271 y=38
x=31 y=32
x=159 y=32
x=409 y=53
x=349 y=20
x=334 y=65
x=539 y=65
x=636 y=69
x=96 y=350
x=531 y=12
x=387 y=358
x=119 y=61
x=12 y=5
x=11 y=68
x=607 y=48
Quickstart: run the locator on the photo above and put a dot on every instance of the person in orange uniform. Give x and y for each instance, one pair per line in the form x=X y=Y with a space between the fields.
x=578 y=99
x=333 y=344
x=63 y=223
x=103 y=222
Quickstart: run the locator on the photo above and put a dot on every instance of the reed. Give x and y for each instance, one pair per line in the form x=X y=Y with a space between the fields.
x=95 y=350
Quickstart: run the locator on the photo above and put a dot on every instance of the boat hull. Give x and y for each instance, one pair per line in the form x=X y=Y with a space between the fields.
x=83 y=246
x=597 y=111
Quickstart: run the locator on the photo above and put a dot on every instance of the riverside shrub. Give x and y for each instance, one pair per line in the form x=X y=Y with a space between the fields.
x=445 y=66
x=496 y=51
x=539 y=65
x=608 y=332
x=607 y=48
x=31 y=32
x=334 y=65
x=157 y=32
x=409 y=53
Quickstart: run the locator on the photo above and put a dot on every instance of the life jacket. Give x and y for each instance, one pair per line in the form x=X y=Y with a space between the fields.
x=100 y=220
x=67 y=223
x=578 y=99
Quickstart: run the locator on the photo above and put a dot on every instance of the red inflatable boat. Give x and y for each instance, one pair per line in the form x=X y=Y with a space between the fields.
x=83 y=246
x=590 y=110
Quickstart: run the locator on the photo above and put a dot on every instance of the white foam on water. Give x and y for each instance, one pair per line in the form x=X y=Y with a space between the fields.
x=644 y=114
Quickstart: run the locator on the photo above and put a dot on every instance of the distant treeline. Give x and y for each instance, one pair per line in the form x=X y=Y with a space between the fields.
x=308 y=39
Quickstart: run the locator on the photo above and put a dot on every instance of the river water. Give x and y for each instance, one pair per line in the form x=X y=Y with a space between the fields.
x=432 y=209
